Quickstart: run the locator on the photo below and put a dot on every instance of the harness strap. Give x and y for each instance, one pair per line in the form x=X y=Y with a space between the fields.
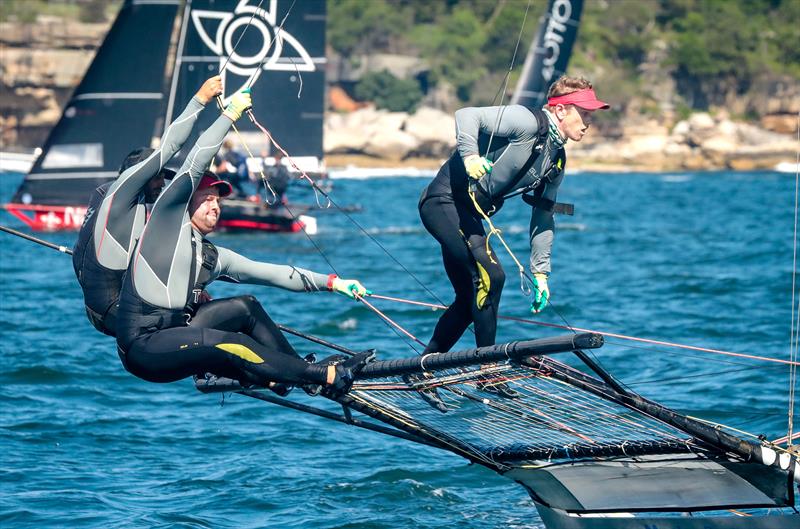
x=546 y=204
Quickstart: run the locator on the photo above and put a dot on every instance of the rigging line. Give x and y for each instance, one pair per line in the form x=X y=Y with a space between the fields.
x=687 y=377
x=506 y=78
x=273 y=39
x=493 y=231
x=264 y=180
x=227 y=60
x=609 y=334
x=349 y=217
x=388 y=321
x=795 y=325
x=786 y=438
x=391 y=321
x=396 y=328
x=687 y=355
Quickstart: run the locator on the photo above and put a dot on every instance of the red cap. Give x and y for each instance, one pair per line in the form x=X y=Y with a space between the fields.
x=210 y=180
x=584 y=98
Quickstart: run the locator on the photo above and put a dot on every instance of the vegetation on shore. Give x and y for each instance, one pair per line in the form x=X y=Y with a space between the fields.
x=711 y=49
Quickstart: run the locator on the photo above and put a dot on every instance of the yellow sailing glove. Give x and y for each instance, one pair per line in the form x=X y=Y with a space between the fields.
x=541 y=293
x=477 y=166
x=239 y=104
x=347 y=287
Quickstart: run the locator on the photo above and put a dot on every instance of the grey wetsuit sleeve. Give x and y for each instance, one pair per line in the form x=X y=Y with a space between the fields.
x=244 y=270
x=162 y=264
x=514 y=124
x=134 y=178
x=121 y=215
x=542 y=229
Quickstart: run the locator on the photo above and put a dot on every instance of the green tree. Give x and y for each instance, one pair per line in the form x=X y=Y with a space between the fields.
x=453 y=48
x=389 y=92
x=357 y=26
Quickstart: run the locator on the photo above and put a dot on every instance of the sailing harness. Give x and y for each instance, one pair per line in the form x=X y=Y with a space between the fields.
x=486 y=205
x=101 y=294
x=150 y=318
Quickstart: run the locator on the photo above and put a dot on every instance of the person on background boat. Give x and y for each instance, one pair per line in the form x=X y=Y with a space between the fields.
x=231 y=165
x=117 y=212
x=501 y=152
x=279 y=177
x=167 y=329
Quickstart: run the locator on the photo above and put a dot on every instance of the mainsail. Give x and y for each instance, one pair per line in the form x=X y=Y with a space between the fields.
x=549 y=52
x=112 y=111
x=281 y=57
x=126 y=98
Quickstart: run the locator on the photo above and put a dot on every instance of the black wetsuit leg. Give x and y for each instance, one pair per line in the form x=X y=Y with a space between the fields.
x=172 y=354
x=469 y=268
x=246 y=315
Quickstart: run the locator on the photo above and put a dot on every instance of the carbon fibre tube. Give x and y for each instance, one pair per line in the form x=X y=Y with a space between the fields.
x=481 y=355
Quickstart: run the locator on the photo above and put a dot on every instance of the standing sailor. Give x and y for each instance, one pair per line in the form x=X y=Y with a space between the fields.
x=523 y=154
x=117 y=213
x=165 y=332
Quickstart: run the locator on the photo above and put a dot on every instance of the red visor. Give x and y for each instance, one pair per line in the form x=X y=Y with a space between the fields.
x=582 y=98
x=223 y=187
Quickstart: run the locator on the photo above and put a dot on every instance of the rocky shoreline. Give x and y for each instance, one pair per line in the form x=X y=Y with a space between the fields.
x=41 y=64
x=702 y=142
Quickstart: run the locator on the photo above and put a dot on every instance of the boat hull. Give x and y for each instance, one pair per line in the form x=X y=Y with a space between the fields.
x=234 y=218
x=554 y=519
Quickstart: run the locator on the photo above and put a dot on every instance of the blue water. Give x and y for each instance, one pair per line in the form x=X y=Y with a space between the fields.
x=702 y=259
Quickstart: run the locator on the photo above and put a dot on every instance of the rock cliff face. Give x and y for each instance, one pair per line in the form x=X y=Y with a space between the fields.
x=41 y=64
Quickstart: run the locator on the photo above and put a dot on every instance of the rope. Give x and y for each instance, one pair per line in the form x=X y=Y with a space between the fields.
x=227 y=60
x=795 y=321
x=609 y=334
x=274 y=37
x=395 y=326
x=495 y=231
x=390 y=321
x=507 y=76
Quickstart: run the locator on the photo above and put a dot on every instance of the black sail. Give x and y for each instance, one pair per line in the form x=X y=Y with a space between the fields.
x=287 y=71
x=549 y=53
x=112 y=111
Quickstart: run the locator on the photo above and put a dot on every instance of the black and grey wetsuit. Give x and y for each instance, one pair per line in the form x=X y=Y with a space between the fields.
x=114 y=219
x=528 y=157
x=165 y=332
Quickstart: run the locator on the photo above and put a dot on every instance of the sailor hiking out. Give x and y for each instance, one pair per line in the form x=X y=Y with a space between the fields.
x=168 y=329
x=501 y=152
x=117 y=213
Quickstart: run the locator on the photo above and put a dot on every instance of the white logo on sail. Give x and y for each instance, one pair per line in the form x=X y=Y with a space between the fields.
x=274 y=42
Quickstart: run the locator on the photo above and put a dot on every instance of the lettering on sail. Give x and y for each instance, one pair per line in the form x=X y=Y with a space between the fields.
x=554 y=35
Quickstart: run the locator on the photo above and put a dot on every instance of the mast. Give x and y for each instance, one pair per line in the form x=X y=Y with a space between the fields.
x=549 y=52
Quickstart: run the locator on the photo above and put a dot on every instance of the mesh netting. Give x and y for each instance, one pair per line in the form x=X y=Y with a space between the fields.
x=544 y=414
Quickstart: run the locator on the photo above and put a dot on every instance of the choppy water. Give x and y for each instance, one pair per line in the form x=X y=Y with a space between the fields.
x=702 y=259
